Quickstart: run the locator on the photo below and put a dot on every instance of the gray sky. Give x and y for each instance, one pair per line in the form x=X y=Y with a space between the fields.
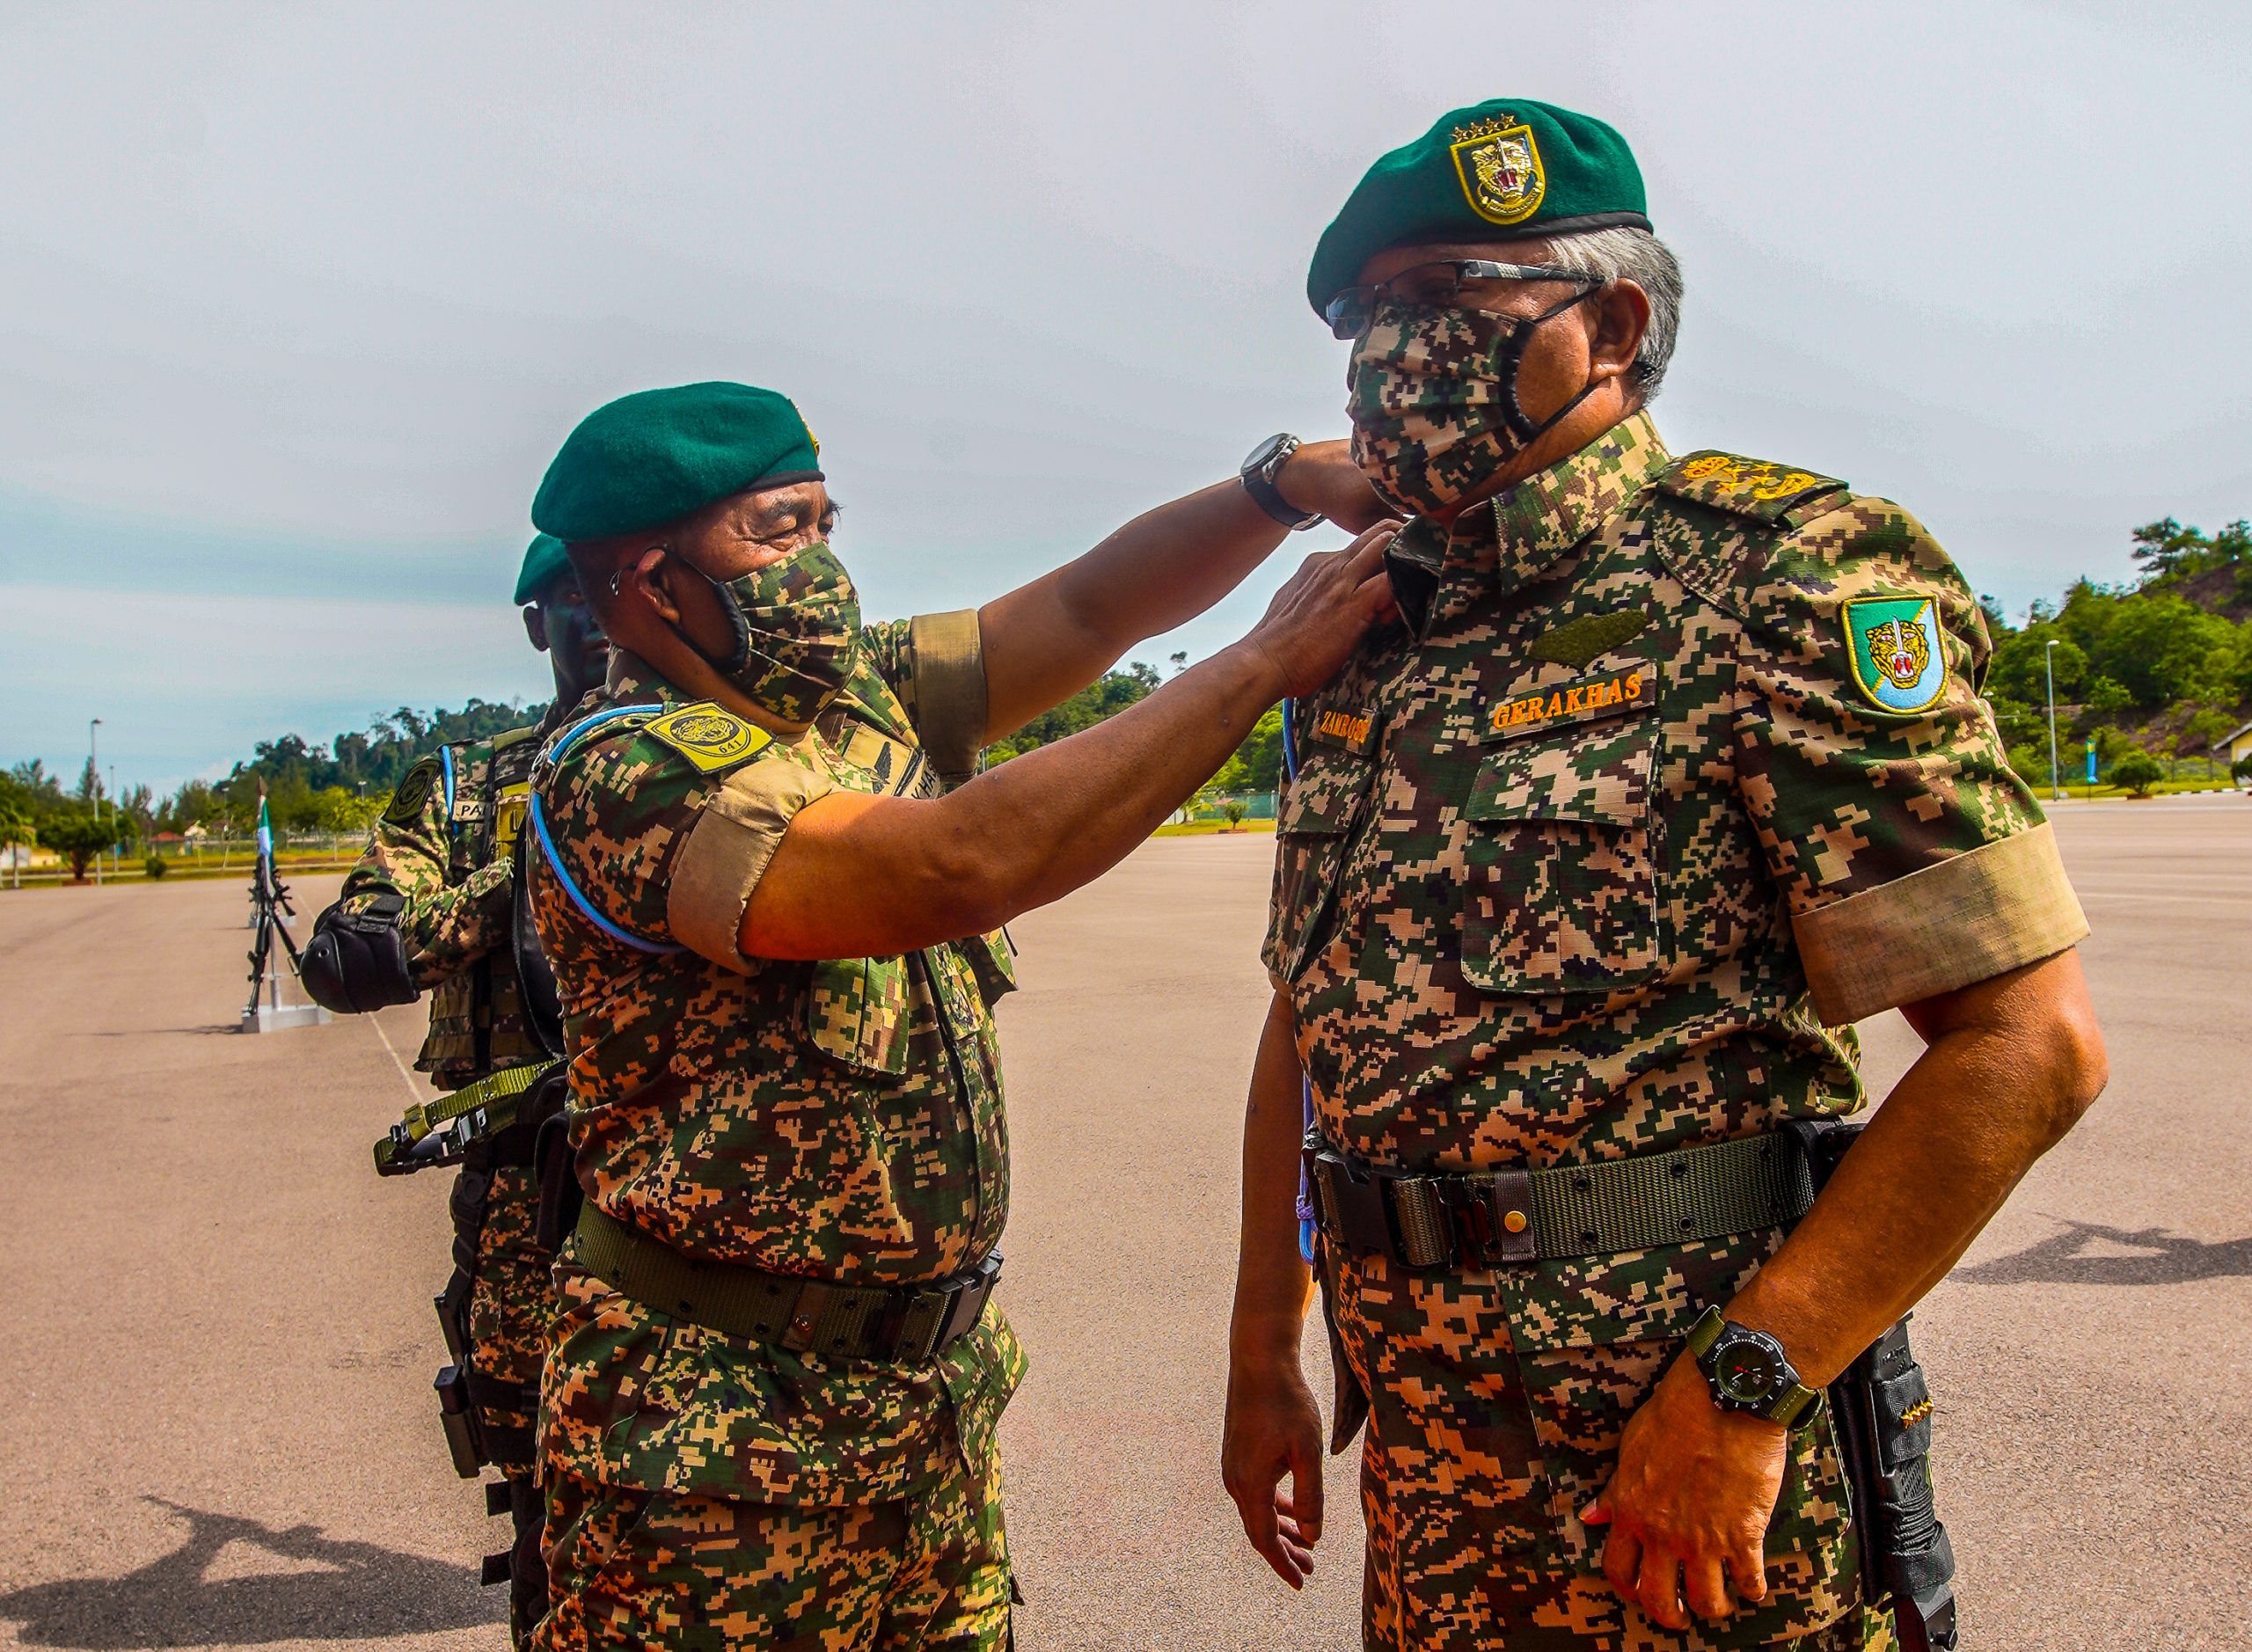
x=296 y=303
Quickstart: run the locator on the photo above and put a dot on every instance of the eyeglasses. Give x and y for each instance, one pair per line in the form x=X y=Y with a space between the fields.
x=1439 y=285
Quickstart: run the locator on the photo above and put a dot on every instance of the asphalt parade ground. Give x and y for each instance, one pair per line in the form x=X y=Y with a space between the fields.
x=216 y=1419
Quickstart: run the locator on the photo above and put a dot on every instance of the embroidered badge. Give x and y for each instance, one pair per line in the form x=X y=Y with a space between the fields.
x=1350 y=730
x=509 y=819
x=1577 y=642
x=709 y=737
x=1499 y=165
x=1631 y=689
x=1898 y=655
x=413 y=791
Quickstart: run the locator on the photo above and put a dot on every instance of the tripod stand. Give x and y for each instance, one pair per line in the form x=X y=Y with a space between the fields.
x=270 y=916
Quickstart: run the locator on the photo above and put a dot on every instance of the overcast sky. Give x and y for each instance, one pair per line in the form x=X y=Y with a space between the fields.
x=296 y=303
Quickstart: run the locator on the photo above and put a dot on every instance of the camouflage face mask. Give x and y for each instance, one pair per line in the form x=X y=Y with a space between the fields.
x=1432 y=396
x=795 y=621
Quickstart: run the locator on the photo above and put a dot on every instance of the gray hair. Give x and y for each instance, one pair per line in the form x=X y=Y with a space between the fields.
x=1640 y=257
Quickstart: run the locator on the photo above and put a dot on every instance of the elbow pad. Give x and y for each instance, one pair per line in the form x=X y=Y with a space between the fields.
x=356 y=960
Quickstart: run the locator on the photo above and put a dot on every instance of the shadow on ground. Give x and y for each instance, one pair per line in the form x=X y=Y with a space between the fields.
x=240 y=1582
x=2164 y=1258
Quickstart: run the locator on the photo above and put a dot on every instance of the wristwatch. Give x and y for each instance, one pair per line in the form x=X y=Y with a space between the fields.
x=1258 y=472
x=1747 y=1370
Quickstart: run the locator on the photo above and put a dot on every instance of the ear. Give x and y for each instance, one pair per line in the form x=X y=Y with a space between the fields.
x=536 y=626
x=1622 y=312
x=650 y=573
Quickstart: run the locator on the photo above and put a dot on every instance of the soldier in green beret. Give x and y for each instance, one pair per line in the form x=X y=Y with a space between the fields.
x=1675 y=769
x=773 y=895
x=430 y=905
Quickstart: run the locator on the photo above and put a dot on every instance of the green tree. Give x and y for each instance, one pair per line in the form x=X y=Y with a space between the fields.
x=2207 y=727
x=2135 y=773
x=2242 y=769
x=2163 y=649
x=1235 y=809
x=1261 y=752
x=77 y=832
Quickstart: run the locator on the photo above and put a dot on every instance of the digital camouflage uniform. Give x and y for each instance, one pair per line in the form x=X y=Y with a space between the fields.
x=1606 y=864
x=445 y=844
x=839 y=1120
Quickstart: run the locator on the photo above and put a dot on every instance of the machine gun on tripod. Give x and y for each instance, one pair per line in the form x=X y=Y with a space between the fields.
x=270 y=915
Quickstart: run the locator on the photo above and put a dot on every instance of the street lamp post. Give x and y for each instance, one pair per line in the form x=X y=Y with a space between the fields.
x=2049 y=662
x=94 y=770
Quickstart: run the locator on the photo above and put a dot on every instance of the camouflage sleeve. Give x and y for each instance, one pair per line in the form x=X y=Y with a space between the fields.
x=669 y=854
x=1911 y=859
x=935 y=663
x=444 y=928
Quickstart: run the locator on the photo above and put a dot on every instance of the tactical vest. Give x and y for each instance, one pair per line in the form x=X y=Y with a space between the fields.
x=476 y=1021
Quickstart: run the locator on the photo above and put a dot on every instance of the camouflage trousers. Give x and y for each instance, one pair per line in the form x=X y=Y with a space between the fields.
x=511 y=1305
x=1483 y=1444
x=640 y=1568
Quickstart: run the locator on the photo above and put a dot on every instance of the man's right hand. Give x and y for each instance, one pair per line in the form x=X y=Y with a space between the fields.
x=1274 y=1428
x=1318 y=617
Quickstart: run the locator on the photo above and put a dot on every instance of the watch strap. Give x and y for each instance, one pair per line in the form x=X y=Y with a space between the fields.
x=1259 y=482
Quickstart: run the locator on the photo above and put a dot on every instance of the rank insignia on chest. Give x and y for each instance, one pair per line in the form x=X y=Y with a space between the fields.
x=1899 y=657
x=1341 y=725
x=709 y=737
x=1628 y=691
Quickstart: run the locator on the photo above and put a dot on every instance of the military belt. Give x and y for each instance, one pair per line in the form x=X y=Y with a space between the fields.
x=1511 y=1216
x=908 y=1324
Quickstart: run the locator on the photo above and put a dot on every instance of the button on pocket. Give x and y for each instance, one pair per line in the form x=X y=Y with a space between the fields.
x=1562 y=857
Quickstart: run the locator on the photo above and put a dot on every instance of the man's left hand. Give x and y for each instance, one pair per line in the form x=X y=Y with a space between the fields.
x=1321 y=476
x=1689 y=1502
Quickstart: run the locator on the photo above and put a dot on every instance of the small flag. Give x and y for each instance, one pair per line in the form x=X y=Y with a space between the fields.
x=265 y=830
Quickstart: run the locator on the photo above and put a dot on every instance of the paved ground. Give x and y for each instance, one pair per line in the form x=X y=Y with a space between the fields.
x=215 y=1426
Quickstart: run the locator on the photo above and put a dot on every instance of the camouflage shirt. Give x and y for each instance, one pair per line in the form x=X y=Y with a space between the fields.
x=1675 y=771
x=840 y=1121
x=445 y=844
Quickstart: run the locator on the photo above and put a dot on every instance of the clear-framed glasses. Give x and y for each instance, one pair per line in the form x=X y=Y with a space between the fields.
x=1442 y=285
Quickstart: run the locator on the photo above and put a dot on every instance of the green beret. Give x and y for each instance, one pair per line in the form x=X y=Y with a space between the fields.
x=1497 y=170
x=653 y=458
x=543 y=562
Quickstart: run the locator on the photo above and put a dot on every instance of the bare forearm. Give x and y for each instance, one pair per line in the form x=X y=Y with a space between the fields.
x=1272 y=1285
x=1954 y=1139
x=1047 y=639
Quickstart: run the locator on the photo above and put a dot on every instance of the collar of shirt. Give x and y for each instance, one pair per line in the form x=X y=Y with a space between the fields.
x=631 y=680
x=1492 y=552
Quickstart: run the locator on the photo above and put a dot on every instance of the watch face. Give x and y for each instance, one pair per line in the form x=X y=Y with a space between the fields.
x=1264 y=453
x=1748 y=1371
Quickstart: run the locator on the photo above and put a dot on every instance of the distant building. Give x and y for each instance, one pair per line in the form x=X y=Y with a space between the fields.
x=2235 y=746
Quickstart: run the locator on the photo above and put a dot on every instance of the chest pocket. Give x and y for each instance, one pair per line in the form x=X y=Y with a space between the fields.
x=856 y=1012
x=1563 y=853
x=1319 y=813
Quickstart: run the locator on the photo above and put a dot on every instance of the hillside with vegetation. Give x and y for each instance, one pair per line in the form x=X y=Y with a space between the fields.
x=2160 y=666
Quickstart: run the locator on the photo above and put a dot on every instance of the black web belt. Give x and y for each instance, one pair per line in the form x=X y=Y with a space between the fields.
x=1509 y=1216
x=908 y=1324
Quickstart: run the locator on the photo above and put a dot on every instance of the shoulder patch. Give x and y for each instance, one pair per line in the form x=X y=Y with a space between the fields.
x=1898 y=655
x=1756 y=488
x=709 y=737
x=405 y=806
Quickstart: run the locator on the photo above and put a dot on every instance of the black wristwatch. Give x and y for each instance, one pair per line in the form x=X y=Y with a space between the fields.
x=1747 y=1370
x=1258 y=472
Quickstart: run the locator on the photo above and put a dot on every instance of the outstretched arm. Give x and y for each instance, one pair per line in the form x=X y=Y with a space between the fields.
x=859 y=876
x=1047 y=640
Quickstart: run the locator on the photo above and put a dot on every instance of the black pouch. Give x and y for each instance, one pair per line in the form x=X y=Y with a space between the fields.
x=560 y=1193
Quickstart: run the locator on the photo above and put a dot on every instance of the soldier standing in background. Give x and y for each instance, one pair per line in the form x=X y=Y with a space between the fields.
x=431 y=904
x=1676 y=769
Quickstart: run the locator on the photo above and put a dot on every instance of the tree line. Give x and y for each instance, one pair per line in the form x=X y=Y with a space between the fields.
x=2155 y=671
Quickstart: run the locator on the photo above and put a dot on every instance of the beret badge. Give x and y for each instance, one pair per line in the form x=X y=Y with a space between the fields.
x=1499 y=165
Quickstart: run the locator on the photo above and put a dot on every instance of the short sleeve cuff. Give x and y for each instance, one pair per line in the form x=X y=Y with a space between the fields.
x=949 y=651
x=1977 y=915
x=728 y=849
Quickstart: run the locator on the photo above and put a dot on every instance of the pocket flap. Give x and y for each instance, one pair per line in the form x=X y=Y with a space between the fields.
x=1322 y=800
x=1604 y=782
